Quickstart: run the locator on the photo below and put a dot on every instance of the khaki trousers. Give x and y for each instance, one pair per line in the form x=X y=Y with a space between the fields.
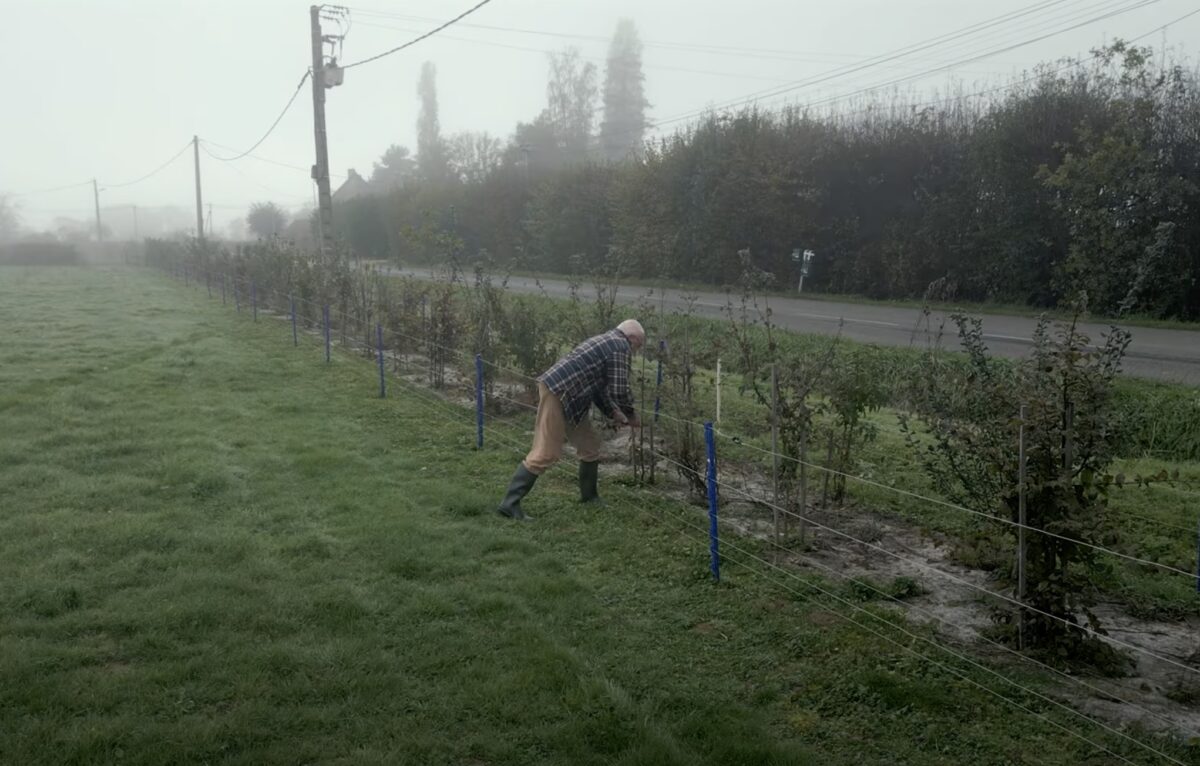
x=551 y=429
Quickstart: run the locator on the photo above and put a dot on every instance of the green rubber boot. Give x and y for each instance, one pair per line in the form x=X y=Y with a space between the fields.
x=588 y=477
x=518 y=488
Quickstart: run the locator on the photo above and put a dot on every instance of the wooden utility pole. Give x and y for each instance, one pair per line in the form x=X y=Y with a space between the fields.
x=320 y=171
x=199 y=202
x=96 y=197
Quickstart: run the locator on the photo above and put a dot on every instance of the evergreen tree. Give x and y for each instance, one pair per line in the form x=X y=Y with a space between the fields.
x=431 y=151
x=624 y=124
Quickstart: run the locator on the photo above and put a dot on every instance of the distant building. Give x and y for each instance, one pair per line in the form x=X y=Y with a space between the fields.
x=353 y=187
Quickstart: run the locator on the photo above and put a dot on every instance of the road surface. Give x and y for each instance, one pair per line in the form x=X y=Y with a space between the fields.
x=1154 y=353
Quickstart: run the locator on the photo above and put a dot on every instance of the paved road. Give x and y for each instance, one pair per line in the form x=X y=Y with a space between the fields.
x=1159 y=354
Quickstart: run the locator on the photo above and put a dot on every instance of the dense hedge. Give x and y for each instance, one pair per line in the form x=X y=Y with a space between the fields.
x=1074 y=179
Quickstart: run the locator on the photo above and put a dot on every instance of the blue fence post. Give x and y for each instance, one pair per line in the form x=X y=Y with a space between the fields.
x=222 y=288
x=292 y=304
x=662 y=350
x=325 y=313
x=713 y=539
x=478 y=401
x=379 y=339
x=254 y=298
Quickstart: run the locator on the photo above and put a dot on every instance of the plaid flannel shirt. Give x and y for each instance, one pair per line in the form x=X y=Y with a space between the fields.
x=596 y=370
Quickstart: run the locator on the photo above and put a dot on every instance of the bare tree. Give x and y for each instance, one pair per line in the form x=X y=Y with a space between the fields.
x=474 y=155
x=571 y=96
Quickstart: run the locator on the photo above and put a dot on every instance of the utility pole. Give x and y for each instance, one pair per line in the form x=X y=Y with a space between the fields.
x=199 y=203
x=320 y=171
x=96 y=196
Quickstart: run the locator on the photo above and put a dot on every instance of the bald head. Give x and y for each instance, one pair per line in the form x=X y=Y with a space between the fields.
x=632 y=329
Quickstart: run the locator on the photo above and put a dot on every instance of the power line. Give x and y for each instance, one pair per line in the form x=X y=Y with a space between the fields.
x=909 y=78
x=1037 y=75
x=271 y=129
x=158 y=169
x=257 y=183
x=51 y=189
x=545 y=51
x=917 y=47
x=902 y=52
x=268 y=161
x=799 y=56
x=419 y=38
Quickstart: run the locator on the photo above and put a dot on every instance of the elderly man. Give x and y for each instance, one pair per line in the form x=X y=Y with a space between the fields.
x=597 y=370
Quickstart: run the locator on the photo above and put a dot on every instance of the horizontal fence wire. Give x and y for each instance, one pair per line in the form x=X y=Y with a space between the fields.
x=466 y=356
x=439 y=406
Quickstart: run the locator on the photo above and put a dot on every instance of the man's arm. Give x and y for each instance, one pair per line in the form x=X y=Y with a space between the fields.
x=618 y=395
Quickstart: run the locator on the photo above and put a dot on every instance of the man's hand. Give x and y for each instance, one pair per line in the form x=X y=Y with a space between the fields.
x=623 y=420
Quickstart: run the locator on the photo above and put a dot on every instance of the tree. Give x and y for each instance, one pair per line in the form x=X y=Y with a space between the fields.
x=473 y=156
x=431 y=150
x=10 y=219
x=302 y=230
x=394 y=169
x=971 y=413
x=624 y=124
x=266 y=219
x=534 y=147
x=571 y=97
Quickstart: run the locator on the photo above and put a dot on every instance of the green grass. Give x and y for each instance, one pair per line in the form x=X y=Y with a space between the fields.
x=216 y=549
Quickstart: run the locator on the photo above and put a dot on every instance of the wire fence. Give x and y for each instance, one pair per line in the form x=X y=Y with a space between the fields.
x=458 y=396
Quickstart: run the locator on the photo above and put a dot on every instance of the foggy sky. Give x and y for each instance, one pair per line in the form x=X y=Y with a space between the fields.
x=112 y=89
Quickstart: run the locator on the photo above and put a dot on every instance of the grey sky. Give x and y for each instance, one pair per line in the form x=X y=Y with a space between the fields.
x=112 y=89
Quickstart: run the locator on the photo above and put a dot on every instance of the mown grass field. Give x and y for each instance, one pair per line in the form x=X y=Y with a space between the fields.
x=214 y=548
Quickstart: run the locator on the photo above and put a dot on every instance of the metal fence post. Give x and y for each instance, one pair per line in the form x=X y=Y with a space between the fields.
x=662 y=346
x=662 y=349
x=379 y=342
x=237 y=298
x=775 y=458
x=254 y=298
x=718 y=418
x=222 y=288
x=208 y=282
x=325 y=314
x=1198 y=559
x=1021 y=513
x=478 y=401
x=713 y=540
x=292 y=306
